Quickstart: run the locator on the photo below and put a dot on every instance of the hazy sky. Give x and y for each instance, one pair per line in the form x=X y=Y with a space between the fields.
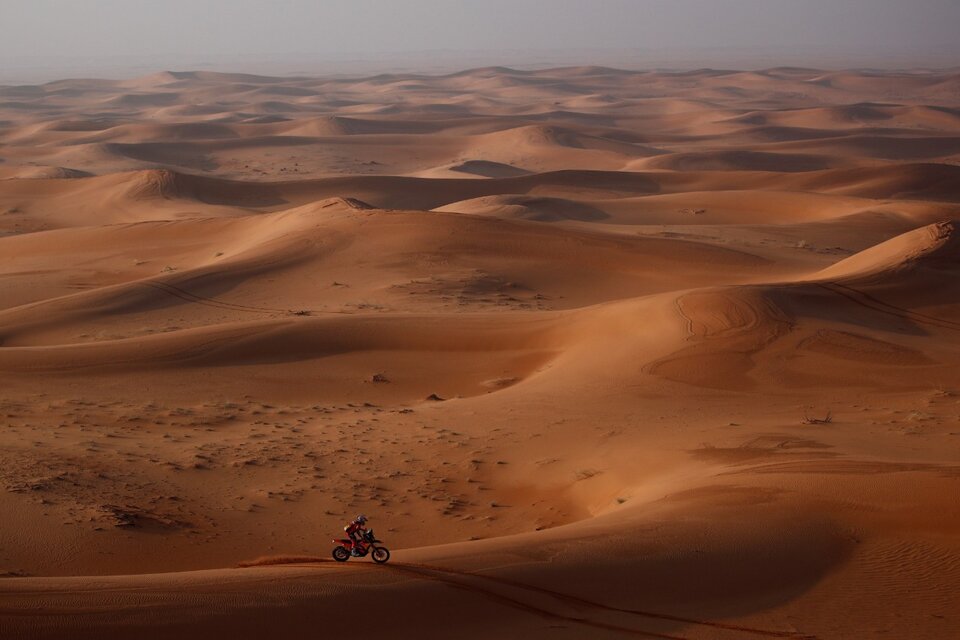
x=191 y=29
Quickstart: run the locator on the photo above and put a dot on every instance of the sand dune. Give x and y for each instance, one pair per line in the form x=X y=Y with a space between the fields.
x=541 y=209
x=905 y=181
x=488 y=169
x=48 y=173
x=743 y=161
x=600 y=352
x=933 y=246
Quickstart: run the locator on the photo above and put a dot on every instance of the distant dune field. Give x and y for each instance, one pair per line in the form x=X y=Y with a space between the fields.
x=601 y=353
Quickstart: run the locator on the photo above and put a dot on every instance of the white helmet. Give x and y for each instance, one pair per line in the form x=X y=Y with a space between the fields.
x=362 y=519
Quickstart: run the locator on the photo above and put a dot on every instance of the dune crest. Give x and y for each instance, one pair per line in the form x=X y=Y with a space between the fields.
x=933 y=246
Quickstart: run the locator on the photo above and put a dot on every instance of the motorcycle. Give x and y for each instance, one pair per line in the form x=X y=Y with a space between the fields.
x=368 y=544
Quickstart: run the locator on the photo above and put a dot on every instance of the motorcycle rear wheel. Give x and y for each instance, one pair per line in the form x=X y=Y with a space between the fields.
x=341 y=554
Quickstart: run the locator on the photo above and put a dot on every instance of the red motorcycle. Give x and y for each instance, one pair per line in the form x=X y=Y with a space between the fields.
x=368 y=544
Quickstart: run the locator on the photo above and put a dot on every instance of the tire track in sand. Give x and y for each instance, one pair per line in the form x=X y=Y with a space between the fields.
x=187 y=296
x=866 y=300
x=462 y=580
x=591 y=604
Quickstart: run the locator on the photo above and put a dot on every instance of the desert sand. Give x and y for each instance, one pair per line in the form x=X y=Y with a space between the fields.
x=601 y=354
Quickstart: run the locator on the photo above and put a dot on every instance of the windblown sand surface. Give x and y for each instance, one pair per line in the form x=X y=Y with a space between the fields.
x=600 y=353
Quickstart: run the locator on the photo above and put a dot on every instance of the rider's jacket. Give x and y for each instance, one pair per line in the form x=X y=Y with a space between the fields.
x=354 y=528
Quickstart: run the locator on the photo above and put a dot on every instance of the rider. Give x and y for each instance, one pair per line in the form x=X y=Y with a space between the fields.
x=355 y=531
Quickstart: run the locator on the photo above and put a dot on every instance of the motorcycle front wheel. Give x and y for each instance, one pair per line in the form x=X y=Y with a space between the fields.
x=380 y=555
x=341 y=554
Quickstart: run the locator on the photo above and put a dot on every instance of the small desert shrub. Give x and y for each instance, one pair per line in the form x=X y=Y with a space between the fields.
x=827 y=419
